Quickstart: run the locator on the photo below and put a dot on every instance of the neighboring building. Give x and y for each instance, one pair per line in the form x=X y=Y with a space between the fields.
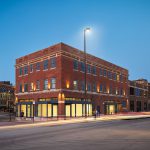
x=148 y=96
x=53 y=80
x=7 y=96
x=138 y=95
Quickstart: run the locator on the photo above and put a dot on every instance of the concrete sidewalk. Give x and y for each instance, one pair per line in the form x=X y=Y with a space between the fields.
x=24 y=123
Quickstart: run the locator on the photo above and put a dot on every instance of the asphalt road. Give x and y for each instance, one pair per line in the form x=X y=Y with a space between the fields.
x=99 y=135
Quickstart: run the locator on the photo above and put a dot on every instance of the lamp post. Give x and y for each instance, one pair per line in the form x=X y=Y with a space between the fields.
x=33 y=110
x=85 y=31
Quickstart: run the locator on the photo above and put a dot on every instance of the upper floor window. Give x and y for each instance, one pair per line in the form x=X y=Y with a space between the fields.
x=109 y=74
x=75 y=64
x=31 y=68
x=20 y=71
x=53 y=83
x=45 y=64
x=20 y=87
x=38 y=66
x=105 y=73
x=121 y=78
x=26 y=70
x=104 y=89
x=88 y=69
x=46 y=84
x=115 y=76
x=53 y=62
x=82 y=86
x=83 y=66
x=101 y=72
x=37 y=84
x=101 y=88
x=94 y=70
x=94 y=87
x=75 y=85
x=25 y=87
x=89 y=86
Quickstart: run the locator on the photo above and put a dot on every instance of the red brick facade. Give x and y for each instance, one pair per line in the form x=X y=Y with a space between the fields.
x=107 y=84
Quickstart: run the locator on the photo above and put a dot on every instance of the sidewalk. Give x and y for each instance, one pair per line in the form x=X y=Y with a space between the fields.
x=24 y=123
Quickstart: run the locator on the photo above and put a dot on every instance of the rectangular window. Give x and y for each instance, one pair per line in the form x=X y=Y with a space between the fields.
x=53 y=83
x=20 y=71
x=53 y=62
x=101 y=72
x=75 y=85
x=37 y=66
x=75 y=65
x=104 y=89
x=82 y=67
x=89 y=86
x=31 y=68
x=94 y=70
x=38 y=85
x=105 y=73
x=82 y=86
x=121 y=78
x=26 y=70
x=20 y=88
x=45 y=64
x=101 y=88
x=25 y=87
x=94 y=87
x=88 y=69
x=46 y=84
x=115 y=76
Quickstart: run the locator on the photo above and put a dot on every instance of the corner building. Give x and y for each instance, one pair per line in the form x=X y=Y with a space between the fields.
x=50 y=83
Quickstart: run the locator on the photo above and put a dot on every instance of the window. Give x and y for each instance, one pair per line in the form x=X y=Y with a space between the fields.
x=37 y=84
x=20 y=71
x=75 y=65
x=25 y=87
x=82 y=67
x=104 y=88
x=53 y=62
x=110 y=90
x=121 y=91
x=109 y=75
x=53 y=83
x=115 y=76
x=88 y=69
x=101 y=72
x=46 y=84
x=26 y=70
x=94 y=87
x=89 y=86
x=105 y=73
x=31 y=86
x=121 y=78
x=20 y=88
x=31 y=68
x=38 y=66
x=94 y=70
x=82 y=86
x=101 y=88
x=75 y=85
x=45 y=64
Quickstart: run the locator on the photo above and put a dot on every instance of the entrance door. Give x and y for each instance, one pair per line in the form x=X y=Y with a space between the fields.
x=111 y=109
x=68 y=111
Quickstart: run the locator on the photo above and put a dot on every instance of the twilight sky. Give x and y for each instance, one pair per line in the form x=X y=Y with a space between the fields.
x=120 y=31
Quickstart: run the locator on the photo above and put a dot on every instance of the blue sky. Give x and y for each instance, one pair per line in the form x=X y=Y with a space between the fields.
x=120 y=31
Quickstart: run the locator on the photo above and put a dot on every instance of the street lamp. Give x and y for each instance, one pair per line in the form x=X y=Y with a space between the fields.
x=85 y=31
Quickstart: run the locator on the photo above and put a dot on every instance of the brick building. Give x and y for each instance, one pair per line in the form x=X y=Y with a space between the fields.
x=50 y=83
x=138 y=95
x=7 y=96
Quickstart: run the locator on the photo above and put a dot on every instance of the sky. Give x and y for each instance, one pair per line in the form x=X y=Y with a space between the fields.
x=120 y=31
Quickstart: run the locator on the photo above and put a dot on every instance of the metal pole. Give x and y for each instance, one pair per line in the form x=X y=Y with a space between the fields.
x=85 y=71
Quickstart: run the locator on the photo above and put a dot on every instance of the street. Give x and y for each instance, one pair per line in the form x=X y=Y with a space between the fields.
x=103 y=135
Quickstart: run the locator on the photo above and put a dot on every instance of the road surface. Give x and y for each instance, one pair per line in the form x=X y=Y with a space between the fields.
x=98 y=135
